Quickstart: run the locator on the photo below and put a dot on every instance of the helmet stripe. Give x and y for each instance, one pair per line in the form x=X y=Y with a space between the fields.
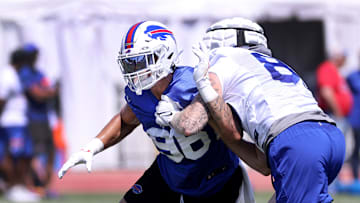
x=162 y=30
x=130 y=36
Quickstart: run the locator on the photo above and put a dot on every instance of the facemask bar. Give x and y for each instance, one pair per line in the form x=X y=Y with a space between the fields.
x=139 y=70
x=136 y=62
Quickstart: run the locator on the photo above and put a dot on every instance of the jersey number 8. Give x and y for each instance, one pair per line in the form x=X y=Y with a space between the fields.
x=278 y=70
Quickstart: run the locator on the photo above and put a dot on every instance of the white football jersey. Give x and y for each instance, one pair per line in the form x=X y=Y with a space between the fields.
x=267 y=95
x=14 y=112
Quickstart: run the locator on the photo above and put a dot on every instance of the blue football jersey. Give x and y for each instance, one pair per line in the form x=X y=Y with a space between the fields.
x=196 y=165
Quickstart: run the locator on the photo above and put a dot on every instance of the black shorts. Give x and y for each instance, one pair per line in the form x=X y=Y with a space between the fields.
x=42 y=138
x=151 y=187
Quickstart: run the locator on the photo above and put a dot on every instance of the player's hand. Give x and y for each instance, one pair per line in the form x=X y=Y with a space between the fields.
x=85 y=156
x=166 y=110
x=201 y=75
x=201 y=69
x=75 y=159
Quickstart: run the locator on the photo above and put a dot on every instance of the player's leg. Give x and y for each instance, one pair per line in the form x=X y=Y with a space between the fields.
x=50 y=154
x=355 y=154
x=229 y=193
x=354 y=187
x=44 y=152
x=17 y=149
x=151 y=187
x=298 y=159
x=6 y=165
x=26 y=160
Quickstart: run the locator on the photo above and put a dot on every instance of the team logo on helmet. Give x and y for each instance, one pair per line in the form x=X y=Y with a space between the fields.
x=155 y=32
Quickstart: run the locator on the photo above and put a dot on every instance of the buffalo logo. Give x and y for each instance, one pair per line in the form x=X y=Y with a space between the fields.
x=155 y=32
x=136 y=189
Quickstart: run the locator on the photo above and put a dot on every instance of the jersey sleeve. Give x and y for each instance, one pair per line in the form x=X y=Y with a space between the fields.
x=183 y=88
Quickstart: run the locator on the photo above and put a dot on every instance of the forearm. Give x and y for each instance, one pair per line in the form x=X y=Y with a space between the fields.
x=221 y=113
x=229 y=124
x=41 y=94
x=251 y=155
x=192 y=119
x=329 y=97
x=2 y=106
x=114 y=131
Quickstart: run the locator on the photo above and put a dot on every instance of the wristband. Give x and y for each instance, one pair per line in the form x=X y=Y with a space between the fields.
x=206 y=91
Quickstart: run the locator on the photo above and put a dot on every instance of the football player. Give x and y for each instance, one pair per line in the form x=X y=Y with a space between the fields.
x=15 y=140
x=196 y=168
x=305 y=150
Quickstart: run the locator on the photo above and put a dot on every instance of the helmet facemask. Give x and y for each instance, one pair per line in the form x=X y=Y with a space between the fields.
x=143 y=70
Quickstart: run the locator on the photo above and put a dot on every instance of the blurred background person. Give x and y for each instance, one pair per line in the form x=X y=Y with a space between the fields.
x=334 y=95
x=15 y=138
x=39 y=94
x=353 y=118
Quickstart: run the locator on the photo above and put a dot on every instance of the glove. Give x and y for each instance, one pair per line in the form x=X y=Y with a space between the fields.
x=166 y=110
x=84 y=156
x=201 y=75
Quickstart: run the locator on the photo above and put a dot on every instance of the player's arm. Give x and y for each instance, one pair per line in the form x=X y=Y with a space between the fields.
x=228 y=125
x=119 y=127
x=2 y=105
x=251 y=155
x=192 y=119
x=116 y=130
x=4 y=92
x=231 y=132
x=40 y=93
x=329 y=96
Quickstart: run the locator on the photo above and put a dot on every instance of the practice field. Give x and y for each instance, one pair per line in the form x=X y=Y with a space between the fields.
x=114 y=198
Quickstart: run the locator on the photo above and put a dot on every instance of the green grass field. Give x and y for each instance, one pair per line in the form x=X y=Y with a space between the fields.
x=105 y=198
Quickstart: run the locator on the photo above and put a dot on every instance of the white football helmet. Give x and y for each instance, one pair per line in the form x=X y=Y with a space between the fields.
x=148 y=53
x=235 y=32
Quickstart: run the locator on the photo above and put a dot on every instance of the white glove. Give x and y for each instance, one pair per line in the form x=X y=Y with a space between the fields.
x=84 y=156
x=166 y=110
x=201 y=75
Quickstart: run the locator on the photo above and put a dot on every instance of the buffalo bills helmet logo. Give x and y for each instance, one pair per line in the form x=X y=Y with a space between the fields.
x=155 y=32
x=136 y=189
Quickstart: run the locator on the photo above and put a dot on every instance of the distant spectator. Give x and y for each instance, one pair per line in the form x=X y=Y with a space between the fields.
x=15 y=138
x=39 y=93
x=334 y=96
x=354 y=119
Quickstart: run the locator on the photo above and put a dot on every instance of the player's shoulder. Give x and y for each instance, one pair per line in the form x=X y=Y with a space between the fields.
x=25 y=71
x=6 y=70
x=7 y=73
x=229 y=55
x=180 y=70
x=182 y=74
x=230 y=51
x=182 y=88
